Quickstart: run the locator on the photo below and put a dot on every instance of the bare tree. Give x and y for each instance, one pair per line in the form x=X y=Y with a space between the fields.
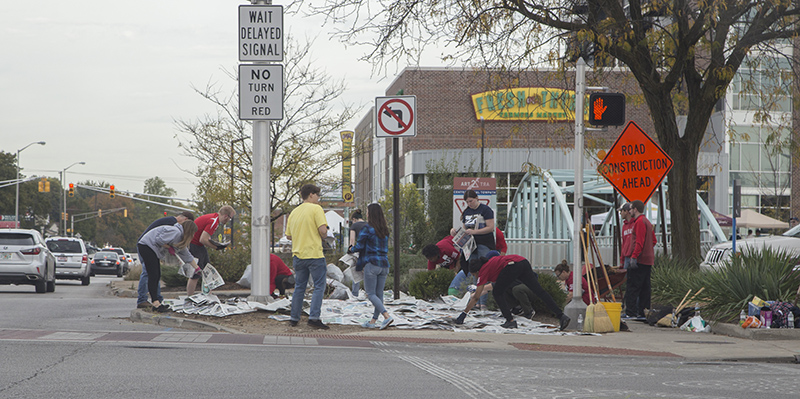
x=303 y=146
x=683 y=54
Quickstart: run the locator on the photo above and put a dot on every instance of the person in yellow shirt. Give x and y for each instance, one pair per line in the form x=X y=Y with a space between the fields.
x=307 y=227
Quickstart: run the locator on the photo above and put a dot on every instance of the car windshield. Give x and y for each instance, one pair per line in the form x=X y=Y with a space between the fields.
x=16 y=239
x=66 y=246
x=793 y=232
x=105 y=255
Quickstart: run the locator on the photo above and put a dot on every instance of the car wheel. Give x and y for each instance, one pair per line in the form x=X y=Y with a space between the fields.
x=41 y=286
x=50 y=286
x=85 y=280
x=119 y=272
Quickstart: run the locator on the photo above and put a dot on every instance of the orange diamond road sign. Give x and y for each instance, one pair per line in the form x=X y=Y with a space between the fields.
x=635 y=164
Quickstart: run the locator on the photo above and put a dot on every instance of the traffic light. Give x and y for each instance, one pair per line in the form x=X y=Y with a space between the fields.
x=111 y=191
x=124 y=213
x=47 y=186
x=44 y=185
x=99 y=213
x=607 y=109
x=165 y=213
x=71 y=190
x=41 y=186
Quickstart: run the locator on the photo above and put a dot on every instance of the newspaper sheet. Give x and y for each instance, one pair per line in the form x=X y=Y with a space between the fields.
x=465 y=242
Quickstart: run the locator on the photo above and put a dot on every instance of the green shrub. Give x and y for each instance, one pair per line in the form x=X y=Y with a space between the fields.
x=230 y=263
x=767 y=274
x=430 y=284
x=133 y=273
x=171 y=278
x=671 y=278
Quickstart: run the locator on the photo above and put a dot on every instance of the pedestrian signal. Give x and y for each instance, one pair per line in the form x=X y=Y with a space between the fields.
x=607 y=109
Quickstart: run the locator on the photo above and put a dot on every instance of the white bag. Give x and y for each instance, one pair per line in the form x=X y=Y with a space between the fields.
x=246 y=276
x=696 y=324
x=186 y=270
x=334 y=272
x=350 y=274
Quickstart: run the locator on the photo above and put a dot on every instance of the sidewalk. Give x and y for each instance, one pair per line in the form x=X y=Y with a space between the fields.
x=727 y=342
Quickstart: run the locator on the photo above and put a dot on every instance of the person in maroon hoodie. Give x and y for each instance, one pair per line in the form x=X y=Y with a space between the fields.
x=637 y=299
x=627 y=234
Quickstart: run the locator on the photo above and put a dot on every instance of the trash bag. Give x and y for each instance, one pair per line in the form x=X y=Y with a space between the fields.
x=246 y=276
x=334 y=272
x=339 y=290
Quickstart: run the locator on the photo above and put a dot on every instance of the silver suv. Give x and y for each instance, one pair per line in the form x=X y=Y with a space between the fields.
x=788 y=241
x=25 y=259
x=72 y=258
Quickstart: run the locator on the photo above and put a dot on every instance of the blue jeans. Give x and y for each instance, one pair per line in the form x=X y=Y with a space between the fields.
x=374 y=282
x=302 y=269
x=356 y=288
x=142 y=290
x=480 y=250
x=463 y=280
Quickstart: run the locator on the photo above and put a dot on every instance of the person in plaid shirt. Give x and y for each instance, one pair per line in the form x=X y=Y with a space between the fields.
x=373 y=240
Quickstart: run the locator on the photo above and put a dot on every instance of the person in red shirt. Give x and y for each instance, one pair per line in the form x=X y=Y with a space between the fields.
x=562 y=273
x=442 y=254
x=637 y=298
x=500 y=241
x=206 y=226
x=281 y=276
x=502 y=271
x=627 y=234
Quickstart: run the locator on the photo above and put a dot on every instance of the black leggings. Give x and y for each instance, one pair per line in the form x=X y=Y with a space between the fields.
x=153 y=266
x=523 y=272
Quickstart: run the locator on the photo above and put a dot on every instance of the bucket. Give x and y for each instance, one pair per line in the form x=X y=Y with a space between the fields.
x=614 y=309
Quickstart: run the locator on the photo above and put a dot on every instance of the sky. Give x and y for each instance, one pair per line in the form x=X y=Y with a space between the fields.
x=103 y=82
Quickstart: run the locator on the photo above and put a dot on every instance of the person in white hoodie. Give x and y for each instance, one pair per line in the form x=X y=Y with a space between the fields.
x=154 y=246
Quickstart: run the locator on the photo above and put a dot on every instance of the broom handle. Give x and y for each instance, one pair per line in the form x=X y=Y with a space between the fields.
x=602 y=265
x=586 y=256
x=590 y=269
x=680 y=304
x=693 y=296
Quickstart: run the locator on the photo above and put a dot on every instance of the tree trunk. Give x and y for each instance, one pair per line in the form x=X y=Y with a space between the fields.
x=683 y=203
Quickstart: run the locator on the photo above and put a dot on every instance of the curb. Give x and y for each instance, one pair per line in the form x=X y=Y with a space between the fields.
x=758 y=334
x=138 y=315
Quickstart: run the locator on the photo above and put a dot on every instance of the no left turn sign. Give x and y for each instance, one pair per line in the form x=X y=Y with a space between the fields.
x=396 y=116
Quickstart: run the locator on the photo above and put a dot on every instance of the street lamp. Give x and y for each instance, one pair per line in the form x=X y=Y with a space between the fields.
x=16 y=212
x=64 y=197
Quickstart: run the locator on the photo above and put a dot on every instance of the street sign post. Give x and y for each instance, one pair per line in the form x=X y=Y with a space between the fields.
x=261 y=92
x=261 y=33
x=396 y=116
x=635 y=165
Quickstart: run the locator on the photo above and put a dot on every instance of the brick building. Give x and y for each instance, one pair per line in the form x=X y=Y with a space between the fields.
x=519 y=127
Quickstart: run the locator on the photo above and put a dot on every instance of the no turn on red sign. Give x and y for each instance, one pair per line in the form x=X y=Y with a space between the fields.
x=396 y=116
x=635 y=165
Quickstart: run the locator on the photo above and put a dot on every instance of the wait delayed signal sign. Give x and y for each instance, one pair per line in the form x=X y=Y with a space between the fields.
x=635 y=165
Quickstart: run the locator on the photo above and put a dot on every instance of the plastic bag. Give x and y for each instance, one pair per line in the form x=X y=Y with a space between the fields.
x=696 y=324
x=334 y=272
x=246 y=276
x=186 y=270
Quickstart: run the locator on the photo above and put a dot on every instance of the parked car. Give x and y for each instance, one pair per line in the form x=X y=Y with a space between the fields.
x=122 y=259
x=106 y=262
x=72 y=258
x=788 y=241
x=25 y=259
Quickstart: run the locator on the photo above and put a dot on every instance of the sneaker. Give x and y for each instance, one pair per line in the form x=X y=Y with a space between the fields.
x=293 y=323
x=564 y=321
x=387 y=322
x=161 y=309
x=516 y=310
x=144 y=305
x=509 y=324
x=317 y=324
x=529 y=314
x=367 y=324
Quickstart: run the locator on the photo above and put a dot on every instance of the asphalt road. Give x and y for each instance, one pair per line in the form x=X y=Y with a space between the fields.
x=67 y=360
